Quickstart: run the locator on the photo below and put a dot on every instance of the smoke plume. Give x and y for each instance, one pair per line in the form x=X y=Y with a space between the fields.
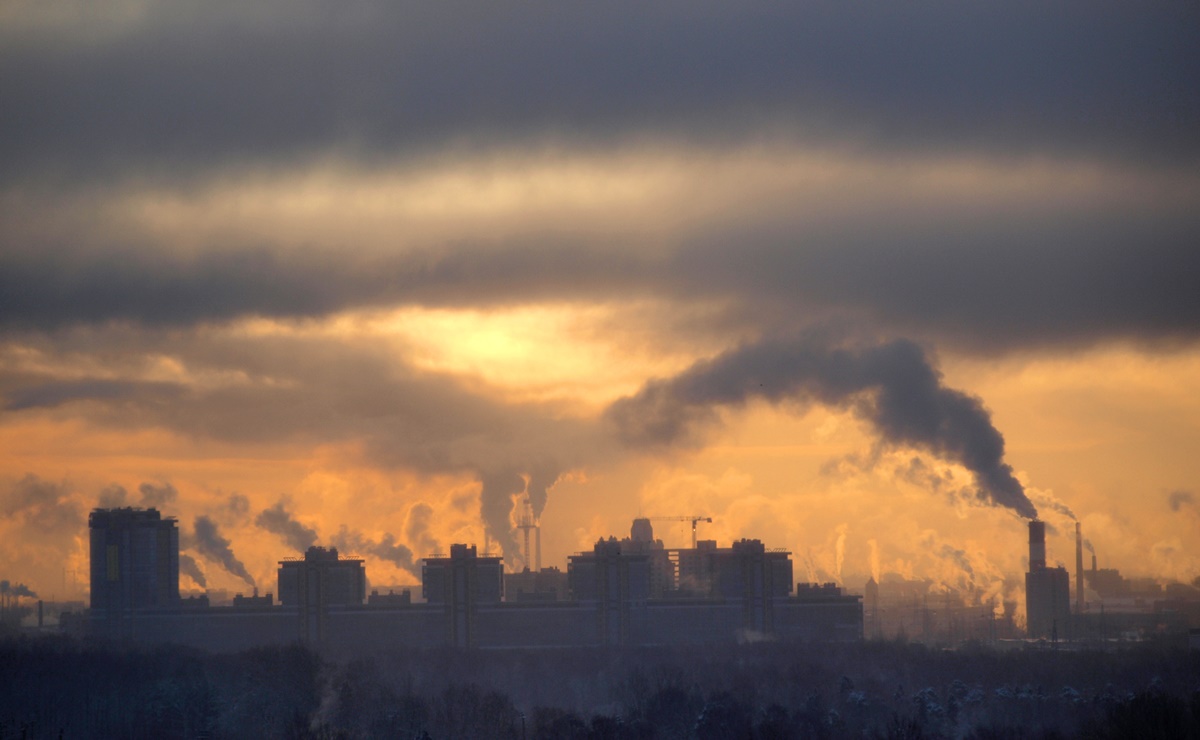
x=159 y=495
x=278 y=520
x=210 y=544
x=496 y=506
x=1046 y=501
x=17 y=590
x=956 y=557
x=115 y=495
x=1179 y=499
x=810 y=567
x=890 y=385
x=112 y=496
x=541 y=478
x=839 y=549
x=416 y=528
x=352 y=542
x=46 y=507
x=189 y=567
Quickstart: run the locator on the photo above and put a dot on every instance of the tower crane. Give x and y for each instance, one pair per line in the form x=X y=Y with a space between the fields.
x=693 y=519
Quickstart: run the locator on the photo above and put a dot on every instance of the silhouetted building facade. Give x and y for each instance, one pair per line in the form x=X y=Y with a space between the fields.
x=134 y=564
x=461 y=584
x=610 y=603
x=662 y=568
x=615 y=582
x=322 y=576
x=318 y=581
x=547 y=584
x=1047 y=591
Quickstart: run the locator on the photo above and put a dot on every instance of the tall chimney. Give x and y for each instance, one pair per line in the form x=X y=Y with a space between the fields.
x=1078 y=569
x=537 y=558
x=1093 y=562
x=1037 y=545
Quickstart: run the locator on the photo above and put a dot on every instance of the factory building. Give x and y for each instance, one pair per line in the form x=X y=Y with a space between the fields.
x=1047 y=591
x=134 y=565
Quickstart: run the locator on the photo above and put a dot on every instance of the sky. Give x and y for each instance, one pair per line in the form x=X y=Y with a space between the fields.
x=872 y=283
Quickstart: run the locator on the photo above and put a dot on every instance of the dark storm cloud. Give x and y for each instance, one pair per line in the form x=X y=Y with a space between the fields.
x=1010 y=278
x=890 y=385
x=278 y=520
x=52 y=394
x=210 y=543
x=1000 y=278
x=153 y=287
x=202 y=85
x=319 y=391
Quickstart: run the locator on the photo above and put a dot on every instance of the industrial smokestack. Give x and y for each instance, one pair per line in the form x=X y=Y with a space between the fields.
x=1093 y=563
x=537 y=556
x=1078 y=569
x=1037 y=545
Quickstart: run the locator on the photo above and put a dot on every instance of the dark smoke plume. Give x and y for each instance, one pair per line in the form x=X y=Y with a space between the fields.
x=42 y=505
x=890 y=385
x=112 y=496
x=278 y=520
x=496 y=506
x=17 y=590
x=1179 y=499
x=1045 y=502
x=541 y=478
x=189 y=567
x=212 y=545
x=238 y=506
x=157 y=496
x=352 y=542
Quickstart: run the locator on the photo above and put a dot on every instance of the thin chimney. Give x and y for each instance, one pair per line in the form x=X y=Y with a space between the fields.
x=1078 y=569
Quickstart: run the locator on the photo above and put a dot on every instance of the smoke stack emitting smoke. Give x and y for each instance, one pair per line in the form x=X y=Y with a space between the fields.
x=1037 y=545
x=499 y=490
x=890 y=385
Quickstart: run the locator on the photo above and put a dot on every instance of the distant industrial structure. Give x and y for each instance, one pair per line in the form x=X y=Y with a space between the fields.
x=632 y=591
x=1118 y=609
x=629 y=592
x=1047 y=591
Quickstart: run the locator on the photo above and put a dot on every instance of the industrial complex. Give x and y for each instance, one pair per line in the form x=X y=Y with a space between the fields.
x=627 y=592
x=632 y=591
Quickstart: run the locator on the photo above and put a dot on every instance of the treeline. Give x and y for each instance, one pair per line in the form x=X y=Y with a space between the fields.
x=58 y=688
